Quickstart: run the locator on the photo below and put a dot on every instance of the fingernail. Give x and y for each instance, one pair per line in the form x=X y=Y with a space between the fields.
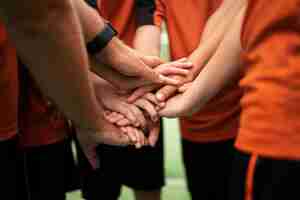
x=160 y=97
x=161 y=78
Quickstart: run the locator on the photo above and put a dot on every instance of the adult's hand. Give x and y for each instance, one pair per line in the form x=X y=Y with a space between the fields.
x=108 y=134
x=108 y=96
x=130 y=63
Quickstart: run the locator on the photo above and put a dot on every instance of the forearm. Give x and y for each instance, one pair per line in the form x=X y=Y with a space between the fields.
x=147 y=40
x=100 y=83
x=55 y=57
x=147 y=35
x=116 y=53
x=222 y=16
x=215 y=29
x=96 y=79
x=92 y=24
x=212 y=36
x=90 y=20
x=222 y=68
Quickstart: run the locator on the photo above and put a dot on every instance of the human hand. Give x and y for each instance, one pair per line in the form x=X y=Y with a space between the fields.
x=185 y=87
x=150 y=106
x=177 y=69
x=129 y=62
x=113 y=101
x=174 y=107
x=107 y=133
x=137 y=136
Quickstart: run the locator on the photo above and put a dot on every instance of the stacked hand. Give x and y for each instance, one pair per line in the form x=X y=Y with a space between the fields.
x=138 y=119
x=171 y=95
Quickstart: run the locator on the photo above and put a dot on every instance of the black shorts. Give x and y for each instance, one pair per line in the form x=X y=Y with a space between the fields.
x=259 y=178
x=208 y=167
x=8 y=167
x=140 y=169
x=45 y=171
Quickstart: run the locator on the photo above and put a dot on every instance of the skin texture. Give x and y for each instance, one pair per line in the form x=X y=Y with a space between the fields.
x=212 y=36
x=118 y=56
x=221 y=69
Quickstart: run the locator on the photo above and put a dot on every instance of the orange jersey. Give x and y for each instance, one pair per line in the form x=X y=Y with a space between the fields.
x=121 y=13
x=185 y=21
x=270 y=120
x=8 y=87
x=40 y=122
x=127 y=15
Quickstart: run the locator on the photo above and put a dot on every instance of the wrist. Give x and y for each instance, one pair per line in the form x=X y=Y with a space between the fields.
x=121 y=58
x=101 y=40
x=111 y=53
x=198 y=65
x=93 y=121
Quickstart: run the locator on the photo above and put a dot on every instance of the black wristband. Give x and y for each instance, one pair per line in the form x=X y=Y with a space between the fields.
x=101 y=39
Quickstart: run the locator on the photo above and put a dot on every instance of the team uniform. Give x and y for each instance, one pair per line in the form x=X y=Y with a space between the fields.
x=267 y=162
x=207 y=136
x=45 y=155
x=141 y=169
x=8 y=116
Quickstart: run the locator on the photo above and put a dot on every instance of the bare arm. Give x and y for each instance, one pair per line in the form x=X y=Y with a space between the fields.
x=116 y=54
x=215 y=29
x=56 y=58
x=147 y=40
x=221 y=69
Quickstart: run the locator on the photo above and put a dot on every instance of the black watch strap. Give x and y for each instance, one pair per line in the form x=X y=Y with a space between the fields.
x=101 y=39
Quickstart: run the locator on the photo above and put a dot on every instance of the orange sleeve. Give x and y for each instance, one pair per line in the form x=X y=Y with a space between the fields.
x=159 y=14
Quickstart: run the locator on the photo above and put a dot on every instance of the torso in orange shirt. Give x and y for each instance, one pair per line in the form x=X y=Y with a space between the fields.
x=8 y=87
x=40 y=121
x=42 y=124
x=185 y=21
x=270 y=119
x=122 y=16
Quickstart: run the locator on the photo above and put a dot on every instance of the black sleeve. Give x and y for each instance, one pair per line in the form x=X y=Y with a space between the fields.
x=145 y=12
x=92 y=3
